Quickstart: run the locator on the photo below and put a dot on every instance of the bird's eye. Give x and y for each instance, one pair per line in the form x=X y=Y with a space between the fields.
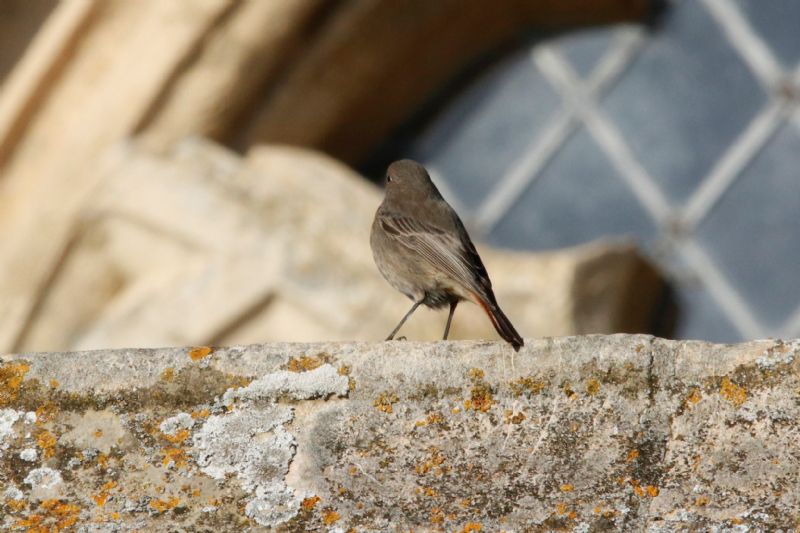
x=388 y=178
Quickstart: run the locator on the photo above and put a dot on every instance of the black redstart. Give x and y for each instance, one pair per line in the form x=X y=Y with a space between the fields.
x=423 y=250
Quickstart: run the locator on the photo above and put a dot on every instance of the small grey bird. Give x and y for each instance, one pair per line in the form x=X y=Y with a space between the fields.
x=423 y=250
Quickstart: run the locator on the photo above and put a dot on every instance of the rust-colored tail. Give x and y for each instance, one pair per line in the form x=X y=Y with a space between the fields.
x=501 y=322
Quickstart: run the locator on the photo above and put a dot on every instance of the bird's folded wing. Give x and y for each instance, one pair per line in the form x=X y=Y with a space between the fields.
x=444 y=250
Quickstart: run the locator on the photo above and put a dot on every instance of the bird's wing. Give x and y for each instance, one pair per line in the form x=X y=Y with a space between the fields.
x=445 y=250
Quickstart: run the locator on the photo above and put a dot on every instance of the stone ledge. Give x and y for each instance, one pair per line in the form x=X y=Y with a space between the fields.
x=617 y=432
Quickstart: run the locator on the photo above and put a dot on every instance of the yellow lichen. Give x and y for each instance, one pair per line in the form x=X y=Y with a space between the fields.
x=164 y=505
x=101 y=497
x=567 y=487
x=433 y=418
x=480 y=399
x=98 y=433
x=694 y=397
x=168 y=374
x=16 y=505
x=11 y=376
x=514 y=418
x=592 y=387
x=102 y=461
x=54 y=516
x=632 y=456
x=476 y=373
x=304 y=363
x=202 y=413
x=45 y=413
x=561 y=508
x=47 y=443
x=176 y=456
x=329 y=516
x=471 y=527
x=732 y=392
x=385 y=401
x=199 y=352
x=652 y=491
x=526 y=385
x=701 y=501
x=54 y=384
x=309 y=503
x=178 y=437
x=433 y=464
x=437 y=516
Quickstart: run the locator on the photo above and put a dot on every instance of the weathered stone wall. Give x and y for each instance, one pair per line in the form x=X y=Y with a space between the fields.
x=626 y=433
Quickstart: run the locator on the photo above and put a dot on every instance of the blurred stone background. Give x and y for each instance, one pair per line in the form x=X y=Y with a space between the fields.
x=193 y=171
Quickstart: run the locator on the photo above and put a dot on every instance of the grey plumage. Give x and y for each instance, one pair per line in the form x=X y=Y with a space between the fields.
x=423 y=250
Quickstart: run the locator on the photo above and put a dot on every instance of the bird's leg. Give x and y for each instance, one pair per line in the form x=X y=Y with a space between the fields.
x=413 y=308
x=453 y=305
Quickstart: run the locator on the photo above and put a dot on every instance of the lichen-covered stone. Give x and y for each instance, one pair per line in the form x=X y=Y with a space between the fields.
x=578 y=434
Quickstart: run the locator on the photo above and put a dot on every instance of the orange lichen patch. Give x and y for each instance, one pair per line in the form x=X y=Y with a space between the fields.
x=102 y=460
x=430 y=492
x=199 y=352
x=168 y=374
x=694 y=397
x=480 y=399
x=433 y=464
x=632 y=456
x=437 y=516
x=54 y=516
x=329 y=516
x=637 y=488
x=471 y=527
x=54 y=384
x=11 y=376
x=47 y=442
x=304 y=363
x=433 y=418
x=178 y=437
x=652 y=491
x=566 y=487
x=101 y=497
x=202 y=413
x=514 y=418
x=98 y=433
x=16 y=505
x=732 y=392
x=309 y=503
x=562 y=510
x=592 y=387
x=476 y=373
x=701 y=501
x=176 y=456
x=526 y=385
x=45 y=413
x=385 y=401
x=164 y=505
x=343 y=370
x=465 y=502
